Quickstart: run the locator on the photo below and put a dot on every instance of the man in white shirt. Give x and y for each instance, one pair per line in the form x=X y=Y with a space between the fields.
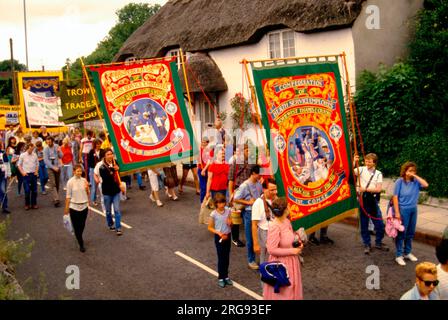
x=262 y=216
x=370 y=181
x=442 y=269
x=28 y=166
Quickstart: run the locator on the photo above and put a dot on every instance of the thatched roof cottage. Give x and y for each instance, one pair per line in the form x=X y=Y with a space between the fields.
x=218 y=34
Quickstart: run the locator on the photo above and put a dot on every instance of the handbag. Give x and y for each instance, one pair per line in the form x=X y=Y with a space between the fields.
x=205 y=211
x=275 y=274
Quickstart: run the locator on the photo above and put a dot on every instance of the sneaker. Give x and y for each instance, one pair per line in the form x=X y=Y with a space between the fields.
x=112 y=228
x=400 y=261
x=159 y=203
x=253 y=266
x=313 y=240
x=411 y=257
x=119 y=233
x=228 y=282
x=221 y=283
x=152 y=198
x=382 y=247
x=367 y=249
x=175 y=198
x=238 y=243
x=326 y=240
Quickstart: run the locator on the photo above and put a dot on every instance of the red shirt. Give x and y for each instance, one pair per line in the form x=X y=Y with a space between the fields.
x=67 y=155
x=205 y=155
x=220 y=176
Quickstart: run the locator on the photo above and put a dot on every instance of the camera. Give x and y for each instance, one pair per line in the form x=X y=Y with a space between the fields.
x=296 y=242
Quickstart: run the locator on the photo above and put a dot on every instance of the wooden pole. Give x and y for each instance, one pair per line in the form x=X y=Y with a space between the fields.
x=13 y=74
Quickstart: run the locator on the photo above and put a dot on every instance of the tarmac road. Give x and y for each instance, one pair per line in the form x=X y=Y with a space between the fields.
x=143 y=264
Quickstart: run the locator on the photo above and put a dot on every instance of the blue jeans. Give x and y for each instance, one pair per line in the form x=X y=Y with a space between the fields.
x=223 y=251
x=409 y=220
x=247 y=217
x=3 y=194
x=139 y=179
x=379 y=225
x=43 y=175
x=202 y=184
x=93 y=185
x=108 y=202
x=66 y=174
x=30 y=186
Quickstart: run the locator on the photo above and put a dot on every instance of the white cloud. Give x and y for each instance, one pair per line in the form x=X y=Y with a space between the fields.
x=57 y=29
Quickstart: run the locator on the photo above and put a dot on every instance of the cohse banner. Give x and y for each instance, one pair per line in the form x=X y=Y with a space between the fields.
x=77 y=103
x=303 y=111
x=145 y=113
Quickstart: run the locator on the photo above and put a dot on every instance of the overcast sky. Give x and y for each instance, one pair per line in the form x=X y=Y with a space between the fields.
x=57 y=29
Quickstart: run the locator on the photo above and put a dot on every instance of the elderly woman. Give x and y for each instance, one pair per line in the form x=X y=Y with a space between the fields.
x=405 y=199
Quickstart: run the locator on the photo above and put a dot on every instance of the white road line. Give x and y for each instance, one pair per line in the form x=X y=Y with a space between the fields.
x=213 y=272
x=102 y=214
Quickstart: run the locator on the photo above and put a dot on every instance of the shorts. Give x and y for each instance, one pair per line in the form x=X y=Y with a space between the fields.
x=189 y=166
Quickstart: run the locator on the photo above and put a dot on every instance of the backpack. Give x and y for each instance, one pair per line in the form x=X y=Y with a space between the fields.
x=275 y=274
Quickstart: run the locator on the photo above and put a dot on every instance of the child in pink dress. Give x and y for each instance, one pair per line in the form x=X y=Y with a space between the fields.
x=279 y=245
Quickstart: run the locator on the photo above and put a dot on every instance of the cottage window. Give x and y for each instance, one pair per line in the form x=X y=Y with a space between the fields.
x=281 y=44
x=175 y=53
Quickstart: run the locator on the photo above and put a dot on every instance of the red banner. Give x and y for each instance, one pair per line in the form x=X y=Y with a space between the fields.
x=145 y=112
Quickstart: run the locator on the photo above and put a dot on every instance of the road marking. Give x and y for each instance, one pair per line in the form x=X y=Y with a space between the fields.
x=213 y=272
x=104 y=215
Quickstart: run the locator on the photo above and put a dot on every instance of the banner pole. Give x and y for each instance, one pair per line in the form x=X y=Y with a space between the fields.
x=254 y=99
x=97 y=107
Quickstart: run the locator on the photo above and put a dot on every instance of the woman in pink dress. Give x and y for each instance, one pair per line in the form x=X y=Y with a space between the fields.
x=280 y=248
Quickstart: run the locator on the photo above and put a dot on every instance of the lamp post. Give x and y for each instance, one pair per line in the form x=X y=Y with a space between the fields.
x=26 y=34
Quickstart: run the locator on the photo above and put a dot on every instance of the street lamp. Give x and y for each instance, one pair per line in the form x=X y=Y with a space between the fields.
x=26 y=35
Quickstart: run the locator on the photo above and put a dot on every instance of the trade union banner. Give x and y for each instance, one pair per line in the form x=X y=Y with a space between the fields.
x=9 y=115
x=42 y=111
x=303 y=112
x=145 y=113
x=78 y=104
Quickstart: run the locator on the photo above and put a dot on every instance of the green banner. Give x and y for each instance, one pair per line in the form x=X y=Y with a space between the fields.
x=303 y=112
x=77 y=103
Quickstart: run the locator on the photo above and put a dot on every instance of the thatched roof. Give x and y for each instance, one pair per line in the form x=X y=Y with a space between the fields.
x=202 y=25
x=200 y=68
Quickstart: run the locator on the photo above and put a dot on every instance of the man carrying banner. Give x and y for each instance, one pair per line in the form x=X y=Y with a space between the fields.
x=370 y=184
x=53 y=161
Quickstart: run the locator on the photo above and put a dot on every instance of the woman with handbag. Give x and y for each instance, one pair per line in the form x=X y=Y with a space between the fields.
x=77 y=204
x=281 y=247
x=405 y=200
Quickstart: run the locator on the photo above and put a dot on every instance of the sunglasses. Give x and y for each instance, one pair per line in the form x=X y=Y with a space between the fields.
x=429 y=283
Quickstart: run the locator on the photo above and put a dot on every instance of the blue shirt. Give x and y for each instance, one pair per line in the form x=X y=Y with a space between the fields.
x=414 y=294
x=220 y=220
x=247 y=191
x=407 y=193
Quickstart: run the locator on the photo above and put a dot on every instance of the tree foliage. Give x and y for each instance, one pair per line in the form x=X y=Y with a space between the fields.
x=130 y=18
x=403 y=110
x=5 y=83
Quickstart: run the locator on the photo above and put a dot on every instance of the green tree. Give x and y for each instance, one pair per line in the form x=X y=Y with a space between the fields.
x=6 y=83
x=403 y=110
x=130 y=18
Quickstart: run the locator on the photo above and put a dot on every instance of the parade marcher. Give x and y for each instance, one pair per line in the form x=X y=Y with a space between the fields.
x=219 y=225
x=262 y=217
x=28 y=166
x=280 y=247
x=77 y=203
x=186 y=167
x=92 y=159
x=43 y=173
x=371 y=181
x=5 y=173
x=205 y=159
x=442 y=269
x=238 y=173
x=18 y=150
x=111 y=189
x=171 y=181
x=246 y=194
x=98 y=181
x=405 y=199
x=67 y=162
x=52 y=158
x=35 y=138
x=425 y=283
x=86 y=146
x=43 y=134
x=153 y=175
x=218 y=172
